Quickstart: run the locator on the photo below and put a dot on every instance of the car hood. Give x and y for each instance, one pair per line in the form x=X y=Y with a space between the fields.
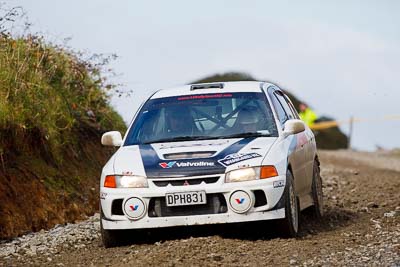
x=191 y=158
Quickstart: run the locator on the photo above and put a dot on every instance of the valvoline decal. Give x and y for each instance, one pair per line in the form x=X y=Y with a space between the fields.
x=134 y=207
x=240 y=200
x=167 y=165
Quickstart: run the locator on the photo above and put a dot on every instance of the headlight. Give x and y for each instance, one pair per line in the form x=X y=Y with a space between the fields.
x=125 y=181
x=248 y=174
x=240 y=175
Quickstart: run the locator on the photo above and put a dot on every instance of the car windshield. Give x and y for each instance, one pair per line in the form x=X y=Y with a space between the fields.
x=205 y=116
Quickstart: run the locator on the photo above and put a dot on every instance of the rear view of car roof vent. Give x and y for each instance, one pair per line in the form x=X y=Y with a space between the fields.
x=206 y=86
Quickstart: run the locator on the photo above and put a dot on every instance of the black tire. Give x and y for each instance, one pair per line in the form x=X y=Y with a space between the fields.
x=289 y=226
x=317 y=194
x=110 y=238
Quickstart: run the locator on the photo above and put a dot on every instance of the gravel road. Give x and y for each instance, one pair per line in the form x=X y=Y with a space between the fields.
x=361 y=228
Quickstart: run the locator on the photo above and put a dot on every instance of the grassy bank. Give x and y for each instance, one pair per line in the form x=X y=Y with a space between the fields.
x=54 y=106
x=45 y=93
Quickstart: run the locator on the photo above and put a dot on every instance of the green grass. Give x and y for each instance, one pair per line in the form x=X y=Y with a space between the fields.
x=46 y=92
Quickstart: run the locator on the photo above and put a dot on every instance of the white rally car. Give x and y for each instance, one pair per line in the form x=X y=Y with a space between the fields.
x=210 y=154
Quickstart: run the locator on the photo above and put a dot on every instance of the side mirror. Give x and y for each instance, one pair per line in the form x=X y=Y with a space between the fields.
x=113 y=138
x=293 y=127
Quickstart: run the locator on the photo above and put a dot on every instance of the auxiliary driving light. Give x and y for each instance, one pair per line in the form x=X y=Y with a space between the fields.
x=241 y=201
x=134 y=208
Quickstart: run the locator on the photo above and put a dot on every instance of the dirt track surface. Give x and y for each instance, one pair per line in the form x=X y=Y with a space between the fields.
x=361 y=227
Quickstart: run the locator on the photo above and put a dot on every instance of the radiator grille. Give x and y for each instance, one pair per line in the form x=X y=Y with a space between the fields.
x=180 y=182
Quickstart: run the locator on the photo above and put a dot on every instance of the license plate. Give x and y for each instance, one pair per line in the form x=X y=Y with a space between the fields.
x=185 y=198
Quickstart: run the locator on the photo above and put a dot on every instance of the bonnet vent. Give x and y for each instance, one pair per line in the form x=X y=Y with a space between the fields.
x=189 y=155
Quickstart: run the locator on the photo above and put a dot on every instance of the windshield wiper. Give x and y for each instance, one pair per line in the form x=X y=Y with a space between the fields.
x=247 y=134
x=177 y=139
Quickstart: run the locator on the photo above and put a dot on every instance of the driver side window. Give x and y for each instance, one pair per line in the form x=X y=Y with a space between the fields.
x=285 y=105
x=282 y=116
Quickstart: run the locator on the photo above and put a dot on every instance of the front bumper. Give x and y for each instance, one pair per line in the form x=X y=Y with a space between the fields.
x=271 y=188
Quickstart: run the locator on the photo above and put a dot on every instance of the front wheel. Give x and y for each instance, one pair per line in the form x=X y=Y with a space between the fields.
x=110 y=238
x=290 y=224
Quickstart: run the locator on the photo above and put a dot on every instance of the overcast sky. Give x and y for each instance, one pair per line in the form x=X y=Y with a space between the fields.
x=342 y=57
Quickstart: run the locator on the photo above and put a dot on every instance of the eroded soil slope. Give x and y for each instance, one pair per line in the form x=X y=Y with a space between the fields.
x=37 y=193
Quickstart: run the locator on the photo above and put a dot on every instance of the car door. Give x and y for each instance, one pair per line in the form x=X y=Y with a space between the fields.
x=297 y=158
x=309 y=147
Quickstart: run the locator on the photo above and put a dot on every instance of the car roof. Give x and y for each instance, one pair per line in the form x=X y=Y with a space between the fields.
x=210 y=88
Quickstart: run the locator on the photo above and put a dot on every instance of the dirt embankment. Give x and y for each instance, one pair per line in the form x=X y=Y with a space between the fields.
x=361 y=228
x=37 y=193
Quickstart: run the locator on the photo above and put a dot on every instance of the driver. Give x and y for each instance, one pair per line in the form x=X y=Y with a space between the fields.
x=179 y=121
x=247 y=120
